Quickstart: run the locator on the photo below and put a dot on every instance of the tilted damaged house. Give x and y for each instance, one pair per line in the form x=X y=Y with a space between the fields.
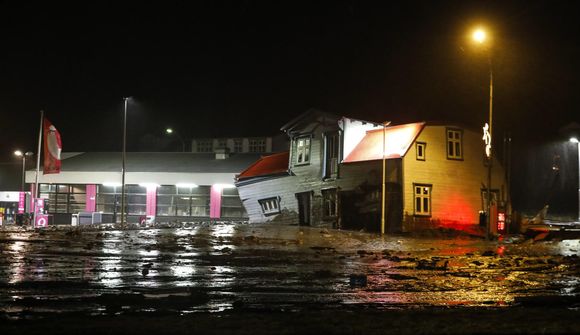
x=435 y=174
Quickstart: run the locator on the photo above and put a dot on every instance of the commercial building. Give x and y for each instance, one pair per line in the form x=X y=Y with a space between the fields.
x=162 y=185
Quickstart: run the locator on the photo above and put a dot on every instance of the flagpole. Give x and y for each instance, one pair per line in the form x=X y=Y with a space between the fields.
x=35 y=195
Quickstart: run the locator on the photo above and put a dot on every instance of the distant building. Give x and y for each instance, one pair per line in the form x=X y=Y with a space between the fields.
x=260 y=145
x=331 y=175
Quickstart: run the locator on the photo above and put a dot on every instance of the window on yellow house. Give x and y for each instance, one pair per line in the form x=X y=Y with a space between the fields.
x=454 y=144
x=422 y=197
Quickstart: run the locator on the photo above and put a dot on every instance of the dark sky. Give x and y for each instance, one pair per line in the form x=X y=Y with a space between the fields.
x=211 y=68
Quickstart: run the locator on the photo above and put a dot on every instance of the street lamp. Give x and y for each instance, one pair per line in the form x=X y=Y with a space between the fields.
x=170 y=131
x=124 y=159
x=480 y=36
x=19 y=153
x=575 y=140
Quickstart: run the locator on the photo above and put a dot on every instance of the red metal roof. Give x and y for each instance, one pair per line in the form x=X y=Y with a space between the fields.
x=397 y=140
x=267 y=165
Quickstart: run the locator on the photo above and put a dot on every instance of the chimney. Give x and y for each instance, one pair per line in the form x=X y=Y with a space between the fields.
x=222 y=153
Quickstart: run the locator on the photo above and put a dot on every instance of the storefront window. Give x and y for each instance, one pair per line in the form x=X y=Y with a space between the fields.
x=136 y=199
x=183 y=201
x=107 y=197
x=63 y=198
x=231 y=204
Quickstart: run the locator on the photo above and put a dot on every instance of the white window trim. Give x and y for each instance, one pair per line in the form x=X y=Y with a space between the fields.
x=423 y=145
x=422 y=196
x=307 y=150
x=270 y=206
x=455 y=141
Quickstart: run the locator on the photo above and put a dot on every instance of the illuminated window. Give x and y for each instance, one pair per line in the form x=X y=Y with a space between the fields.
x=238 y=145
x=422 y=197
x=257 y=145
x=303 y=150
x=421 y=150
x=270 y=206
x=61 y=198
x=329 y=202
x=454 y=139
x=204 y=146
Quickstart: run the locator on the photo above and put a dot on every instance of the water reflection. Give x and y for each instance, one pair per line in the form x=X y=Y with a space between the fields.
x=17 y=271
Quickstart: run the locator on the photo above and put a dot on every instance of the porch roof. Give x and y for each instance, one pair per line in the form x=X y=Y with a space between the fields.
x=267 y=165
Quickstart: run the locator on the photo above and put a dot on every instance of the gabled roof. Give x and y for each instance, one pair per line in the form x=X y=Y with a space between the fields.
x=267 y=166
x=397 y=140
x=308 y=117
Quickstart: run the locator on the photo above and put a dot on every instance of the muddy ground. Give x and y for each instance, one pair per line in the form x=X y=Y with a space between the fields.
x=241 y=278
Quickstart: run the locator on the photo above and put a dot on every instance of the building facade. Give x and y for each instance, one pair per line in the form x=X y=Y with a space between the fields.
x=164 y=186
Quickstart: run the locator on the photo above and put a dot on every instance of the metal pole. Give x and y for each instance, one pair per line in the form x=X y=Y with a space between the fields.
x=123 y=164
x=23 y=171
x=490 y=159
x=35 y=195
x=578 y=144
x=383 y=191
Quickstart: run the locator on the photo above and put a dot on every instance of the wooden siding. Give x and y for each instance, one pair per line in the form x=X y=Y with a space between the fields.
x=456 y=184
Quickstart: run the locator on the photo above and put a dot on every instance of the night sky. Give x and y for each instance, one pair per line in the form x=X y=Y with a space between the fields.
x=240 y=68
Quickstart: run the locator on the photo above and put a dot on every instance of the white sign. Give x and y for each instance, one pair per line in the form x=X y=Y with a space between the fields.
x=10 y=196
x=487 y=139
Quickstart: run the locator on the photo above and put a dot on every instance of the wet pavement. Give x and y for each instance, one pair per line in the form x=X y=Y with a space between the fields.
x=224 y=267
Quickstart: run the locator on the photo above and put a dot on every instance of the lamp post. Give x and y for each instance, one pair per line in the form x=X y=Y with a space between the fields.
x=170 y=131
x=383 y=195
x=480 y=37
x=19 y=153
x=126 y=100
x=575 y=140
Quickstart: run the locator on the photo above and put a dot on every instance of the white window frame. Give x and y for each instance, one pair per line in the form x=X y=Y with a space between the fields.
x=421 y=146
x=270 y=206
x=422 y=192
x=454 y=143
x=303 y=144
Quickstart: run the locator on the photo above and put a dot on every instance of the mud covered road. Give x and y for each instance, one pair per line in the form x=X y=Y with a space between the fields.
x=240 y=278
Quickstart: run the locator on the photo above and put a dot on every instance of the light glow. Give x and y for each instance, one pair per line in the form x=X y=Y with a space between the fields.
x=573 y=139
x=169 y=131
x=479 y=35
x=148 y=185
x=111 y=184
x=18 y=153
x=186 y=185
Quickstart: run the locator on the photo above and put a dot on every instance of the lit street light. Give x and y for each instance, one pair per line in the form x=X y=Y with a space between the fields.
x=575 y=140
x=170 y=131
x=480 y=36
x=19 y=153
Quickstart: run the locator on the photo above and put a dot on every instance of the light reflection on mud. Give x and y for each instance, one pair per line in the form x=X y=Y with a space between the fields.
x=224 y=266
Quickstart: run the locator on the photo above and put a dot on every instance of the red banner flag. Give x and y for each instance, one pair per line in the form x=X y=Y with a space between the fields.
x=52 y=148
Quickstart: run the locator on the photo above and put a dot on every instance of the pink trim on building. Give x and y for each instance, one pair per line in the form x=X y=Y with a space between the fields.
x=215 y=202
x=151 y=205
x=91 y=198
